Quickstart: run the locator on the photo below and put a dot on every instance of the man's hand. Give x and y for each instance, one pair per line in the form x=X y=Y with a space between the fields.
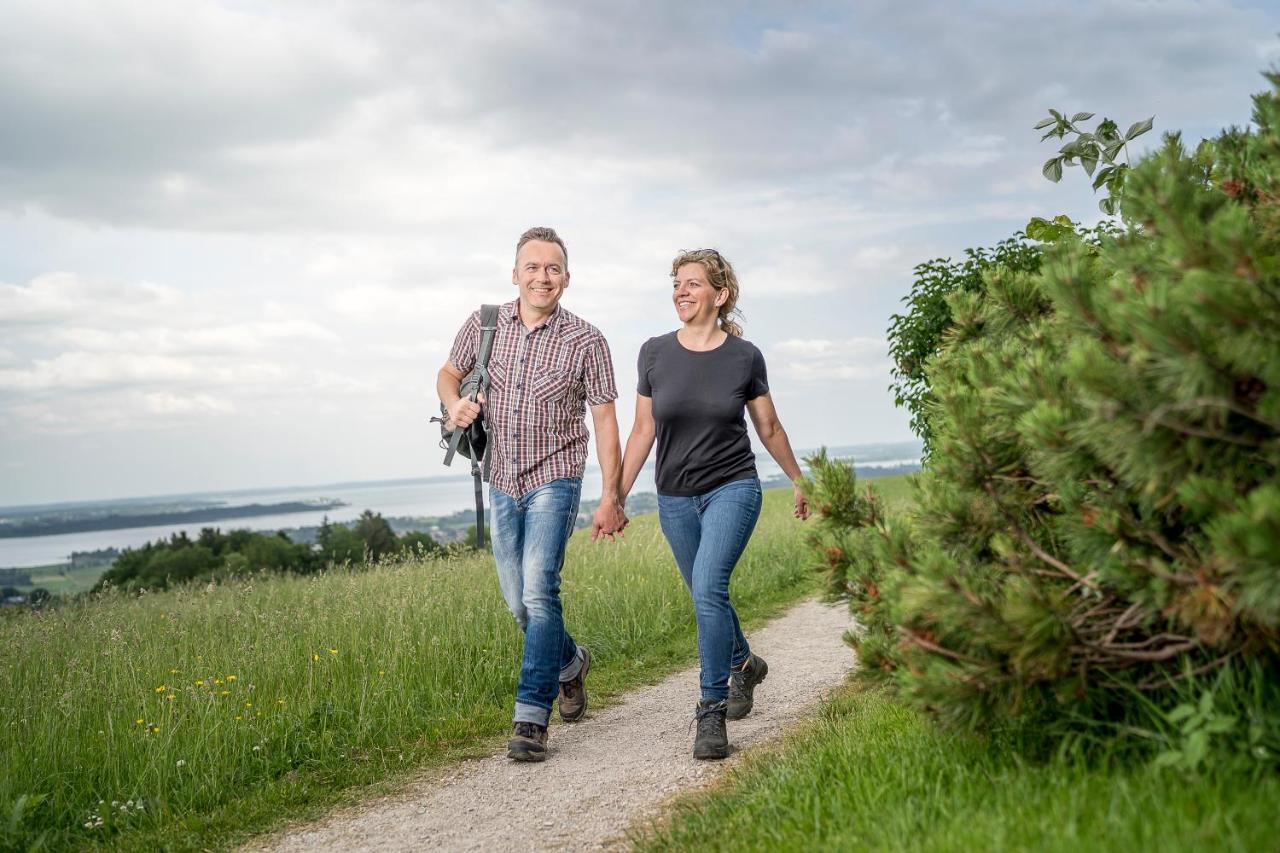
x=609 y=520
x=464 y=412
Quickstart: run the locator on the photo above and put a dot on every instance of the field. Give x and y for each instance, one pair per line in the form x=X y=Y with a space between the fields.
x=192 y=718
x=872 y=774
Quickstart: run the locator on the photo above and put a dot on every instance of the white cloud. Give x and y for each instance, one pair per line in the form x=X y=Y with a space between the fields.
x=64 y=297
x=165 y=403
x=820 y=361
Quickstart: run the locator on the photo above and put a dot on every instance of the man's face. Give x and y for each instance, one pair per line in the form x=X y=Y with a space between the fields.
x=540 y=274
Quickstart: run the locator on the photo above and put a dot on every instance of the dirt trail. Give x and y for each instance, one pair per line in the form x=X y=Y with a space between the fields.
x=613 y=768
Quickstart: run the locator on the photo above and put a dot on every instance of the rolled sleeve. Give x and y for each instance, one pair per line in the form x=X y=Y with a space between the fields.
x=466 y=344
x=597 y=374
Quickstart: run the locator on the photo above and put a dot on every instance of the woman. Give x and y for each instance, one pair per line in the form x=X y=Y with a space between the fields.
x=694 y=384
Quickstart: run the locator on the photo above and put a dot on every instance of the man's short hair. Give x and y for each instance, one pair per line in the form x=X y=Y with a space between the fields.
x=546 y=235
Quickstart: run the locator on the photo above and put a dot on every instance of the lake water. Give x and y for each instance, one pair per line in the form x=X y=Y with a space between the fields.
x=436 y=496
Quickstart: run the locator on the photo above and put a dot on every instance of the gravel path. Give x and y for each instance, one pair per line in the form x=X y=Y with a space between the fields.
x=615 y=767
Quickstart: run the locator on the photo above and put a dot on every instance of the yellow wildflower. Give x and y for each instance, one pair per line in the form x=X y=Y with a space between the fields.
x=333 y=651
x=169 y=697
x=315 y=657
x=160 y=689
x=138 y=721
x=230 y=678
x=200 y=683
x=224 y=692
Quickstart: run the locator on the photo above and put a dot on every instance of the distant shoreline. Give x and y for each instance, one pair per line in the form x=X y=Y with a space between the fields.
x=121 y=521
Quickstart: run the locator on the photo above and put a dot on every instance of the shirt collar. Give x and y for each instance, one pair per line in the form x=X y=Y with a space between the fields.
x=510 y=313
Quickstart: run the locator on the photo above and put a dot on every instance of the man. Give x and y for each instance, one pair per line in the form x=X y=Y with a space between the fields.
x=546 y=366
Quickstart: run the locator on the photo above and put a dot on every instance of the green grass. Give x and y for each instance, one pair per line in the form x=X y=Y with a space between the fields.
x=229 y=708
x=64 y=579
x=873 y=774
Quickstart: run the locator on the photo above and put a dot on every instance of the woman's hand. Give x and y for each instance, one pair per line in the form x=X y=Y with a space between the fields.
x=802 y=505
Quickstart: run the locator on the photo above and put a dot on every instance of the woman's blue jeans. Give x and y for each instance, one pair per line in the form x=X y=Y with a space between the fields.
x=529 y=537
x=707 y=534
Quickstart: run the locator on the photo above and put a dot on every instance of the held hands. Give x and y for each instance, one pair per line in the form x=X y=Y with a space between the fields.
x=609 y=521
x=802 y=505
x=464 y=412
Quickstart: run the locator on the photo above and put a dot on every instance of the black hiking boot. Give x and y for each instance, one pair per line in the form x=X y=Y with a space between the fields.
x=711 y=741
x=742 y=686
x=573 y=693
x=528 y=743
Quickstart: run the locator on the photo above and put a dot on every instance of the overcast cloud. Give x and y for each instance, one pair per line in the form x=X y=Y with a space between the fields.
x=237 y=239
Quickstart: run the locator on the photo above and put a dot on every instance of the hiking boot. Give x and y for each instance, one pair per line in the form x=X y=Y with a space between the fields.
x=573 y=693
x=742 y=686
x=529 y=743
x=711 y=741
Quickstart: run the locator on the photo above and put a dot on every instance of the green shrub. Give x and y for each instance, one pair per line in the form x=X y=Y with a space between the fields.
x=1100 y=514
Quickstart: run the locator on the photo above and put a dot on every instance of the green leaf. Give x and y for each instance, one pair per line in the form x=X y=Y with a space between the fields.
x=1043 y=123
x=1219 y=725
x=1082 y=116
x=1089 y=163
x=1101 y=178
x=1180 y=713
x=1197 y=748
x=1053 y=169
x=1110 y=151
x=1168 y=759
x=1108 y=206
x=1070 y=147
x=1206 y=704
x=1138 y=128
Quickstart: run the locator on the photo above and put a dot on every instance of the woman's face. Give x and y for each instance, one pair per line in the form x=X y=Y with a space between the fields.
x=693 y=295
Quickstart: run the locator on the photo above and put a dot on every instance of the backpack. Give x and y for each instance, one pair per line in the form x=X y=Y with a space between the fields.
x=473 y=441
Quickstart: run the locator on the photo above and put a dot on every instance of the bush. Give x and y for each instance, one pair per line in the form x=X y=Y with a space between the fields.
x=1100 y=513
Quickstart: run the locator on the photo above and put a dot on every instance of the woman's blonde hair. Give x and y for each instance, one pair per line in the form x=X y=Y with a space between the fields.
x=721 y=276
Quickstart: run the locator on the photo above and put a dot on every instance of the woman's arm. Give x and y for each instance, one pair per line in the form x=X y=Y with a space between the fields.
x=639 y=443
x=765 y=418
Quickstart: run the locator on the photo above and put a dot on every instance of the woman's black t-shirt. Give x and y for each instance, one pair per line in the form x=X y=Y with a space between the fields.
x=698 y=403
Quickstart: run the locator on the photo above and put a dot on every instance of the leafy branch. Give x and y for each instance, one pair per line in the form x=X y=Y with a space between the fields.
x=1091 y=148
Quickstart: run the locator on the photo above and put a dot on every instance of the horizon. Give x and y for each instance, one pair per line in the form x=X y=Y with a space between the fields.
x=462 y=473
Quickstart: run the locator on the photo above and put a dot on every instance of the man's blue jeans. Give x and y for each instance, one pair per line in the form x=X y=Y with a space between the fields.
x=707 y=533
x=529 y=537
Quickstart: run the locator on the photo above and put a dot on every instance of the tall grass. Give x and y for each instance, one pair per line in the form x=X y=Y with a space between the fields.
x=874 y=774
x=190 y=718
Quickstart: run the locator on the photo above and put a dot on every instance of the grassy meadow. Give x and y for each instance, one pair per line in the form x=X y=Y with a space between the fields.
x=192 y=718
x=872 y=774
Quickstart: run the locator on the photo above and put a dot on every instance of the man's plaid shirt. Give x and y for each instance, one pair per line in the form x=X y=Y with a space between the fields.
x=542 y=382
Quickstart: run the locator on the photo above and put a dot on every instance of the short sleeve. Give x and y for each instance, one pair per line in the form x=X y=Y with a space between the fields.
x=466 y=344
x=758 y=383
x=597 y=374
x=643 y=388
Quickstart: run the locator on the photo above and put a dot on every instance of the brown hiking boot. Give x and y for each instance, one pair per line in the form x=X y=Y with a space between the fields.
x=528 y=743
x=742 y=686
x=573 y=693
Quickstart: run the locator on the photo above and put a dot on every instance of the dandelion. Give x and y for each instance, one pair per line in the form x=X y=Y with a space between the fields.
x=155 y=730
x=224 y=692
x=279 y=701
x=169 y=697
x=238 y=717
x=200 y=683
x=161 y=689
x=315 y=657
x=248 y=704
x=138 y=721
x=333 y=651
x=217 y=681
x=230 y=679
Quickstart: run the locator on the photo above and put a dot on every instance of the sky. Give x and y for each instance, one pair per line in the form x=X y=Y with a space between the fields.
x=237 y=239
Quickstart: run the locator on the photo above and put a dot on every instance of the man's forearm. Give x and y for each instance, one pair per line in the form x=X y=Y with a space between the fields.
x=609 y=454
x=448 y=387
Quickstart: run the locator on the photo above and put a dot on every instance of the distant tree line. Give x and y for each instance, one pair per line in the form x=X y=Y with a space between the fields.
x=215 y=555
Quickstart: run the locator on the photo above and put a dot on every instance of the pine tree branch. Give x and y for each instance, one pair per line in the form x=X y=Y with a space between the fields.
x=1041 y=554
